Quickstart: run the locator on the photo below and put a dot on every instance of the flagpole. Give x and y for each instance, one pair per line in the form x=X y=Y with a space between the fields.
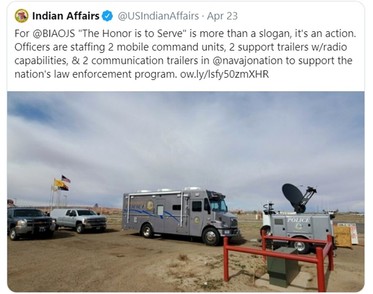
x=59 y=199
x=50 y=199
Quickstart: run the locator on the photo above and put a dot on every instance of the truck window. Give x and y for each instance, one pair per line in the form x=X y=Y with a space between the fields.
x=28 y=213
x=196 y=205
x=160 y=209
x=279 y=221
x=176 y=207
x=86 y=212
x=218 y=205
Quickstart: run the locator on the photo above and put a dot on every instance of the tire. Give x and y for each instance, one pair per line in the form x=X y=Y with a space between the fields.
x=211 y=237
x=79 y=228
x=267 y=229
x=302 y=247
x=147 y=231
x=13 y=234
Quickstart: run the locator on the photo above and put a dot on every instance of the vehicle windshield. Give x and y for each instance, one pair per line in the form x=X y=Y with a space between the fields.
x=218 y=205
x=86 y=212
x=28 y=213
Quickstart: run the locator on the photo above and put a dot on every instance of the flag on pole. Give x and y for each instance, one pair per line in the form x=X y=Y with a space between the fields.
x=58 y=183
x=63 y=178
x=64 y=188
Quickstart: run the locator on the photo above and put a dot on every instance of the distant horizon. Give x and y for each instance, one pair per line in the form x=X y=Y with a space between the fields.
x=237 y=211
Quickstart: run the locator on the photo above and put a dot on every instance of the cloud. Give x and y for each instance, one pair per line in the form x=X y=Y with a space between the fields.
x=245 y=145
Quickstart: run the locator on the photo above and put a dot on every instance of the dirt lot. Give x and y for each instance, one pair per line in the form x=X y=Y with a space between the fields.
x=123 y=261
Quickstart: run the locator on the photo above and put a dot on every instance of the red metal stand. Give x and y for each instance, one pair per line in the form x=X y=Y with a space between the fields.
x=321 y=253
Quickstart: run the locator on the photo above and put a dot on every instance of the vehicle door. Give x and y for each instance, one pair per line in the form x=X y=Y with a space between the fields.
x=174 y=215
x=158 y=219
x=196 y=217
x=71 y=218
x=63 y=219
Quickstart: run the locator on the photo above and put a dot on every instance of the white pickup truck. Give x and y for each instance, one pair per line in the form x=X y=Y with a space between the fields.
x=79 y=218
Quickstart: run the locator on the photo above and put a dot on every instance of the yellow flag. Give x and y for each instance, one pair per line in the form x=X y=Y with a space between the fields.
x=58 y=183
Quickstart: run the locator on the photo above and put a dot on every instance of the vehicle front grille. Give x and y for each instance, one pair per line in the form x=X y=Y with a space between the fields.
x=96 y=221
x=39 y=223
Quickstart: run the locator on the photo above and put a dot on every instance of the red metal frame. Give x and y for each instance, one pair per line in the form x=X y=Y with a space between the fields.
x=321 y=253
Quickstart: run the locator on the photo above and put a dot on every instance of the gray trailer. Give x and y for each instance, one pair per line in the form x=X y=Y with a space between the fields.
x=297 y=224
x=189 y=212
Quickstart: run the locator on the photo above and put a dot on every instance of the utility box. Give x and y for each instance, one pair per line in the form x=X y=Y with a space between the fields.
x=282 y=271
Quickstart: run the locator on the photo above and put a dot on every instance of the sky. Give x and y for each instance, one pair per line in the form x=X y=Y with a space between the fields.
x=245 y=145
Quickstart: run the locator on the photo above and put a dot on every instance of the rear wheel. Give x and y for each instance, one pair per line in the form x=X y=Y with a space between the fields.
x=301 y=247
x=267 y=231
x=147 y=231
x=211 y=237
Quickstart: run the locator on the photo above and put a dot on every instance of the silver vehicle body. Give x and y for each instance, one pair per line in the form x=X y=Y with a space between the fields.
x=302 y=225
x=297 y=224
x=310 y=226
x=78 y=218
x=190 y=212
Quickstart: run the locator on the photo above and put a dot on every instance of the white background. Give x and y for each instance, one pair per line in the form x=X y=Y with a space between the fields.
x=367 y=86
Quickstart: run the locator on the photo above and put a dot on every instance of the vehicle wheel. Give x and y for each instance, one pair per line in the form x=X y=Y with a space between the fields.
x=79 y=228
x=211 y=237
x=267 y=230
x=13 y=234
x=302 y=247
x=147 y=231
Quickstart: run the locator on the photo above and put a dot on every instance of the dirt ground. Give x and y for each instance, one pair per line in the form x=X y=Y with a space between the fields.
x=123 y=261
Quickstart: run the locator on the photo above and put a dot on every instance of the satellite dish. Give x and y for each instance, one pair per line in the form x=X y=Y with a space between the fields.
x=295 y=197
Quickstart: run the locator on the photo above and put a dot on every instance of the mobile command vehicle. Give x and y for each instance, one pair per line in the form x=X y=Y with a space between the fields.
x=189 y=212
x=297 y=224
x=80 y=219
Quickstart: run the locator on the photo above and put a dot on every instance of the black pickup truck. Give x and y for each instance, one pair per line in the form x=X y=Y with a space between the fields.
x=29 y=222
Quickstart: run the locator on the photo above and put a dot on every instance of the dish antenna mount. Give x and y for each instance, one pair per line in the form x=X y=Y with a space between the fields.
x=296 y=198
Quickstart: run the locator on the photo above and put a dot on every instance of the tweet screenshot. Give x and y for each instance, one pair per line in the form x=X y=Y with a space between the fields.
x=185 y=146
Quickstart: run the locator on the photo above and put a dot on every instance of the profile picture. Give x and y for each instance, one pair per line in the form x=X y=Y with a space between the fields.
x=21 y=15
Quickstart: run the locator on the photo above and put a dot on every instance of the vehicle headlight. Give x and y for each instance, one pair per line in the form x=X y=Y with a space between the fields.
x=234 y=222
x=22 y=223
x=84 y=221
